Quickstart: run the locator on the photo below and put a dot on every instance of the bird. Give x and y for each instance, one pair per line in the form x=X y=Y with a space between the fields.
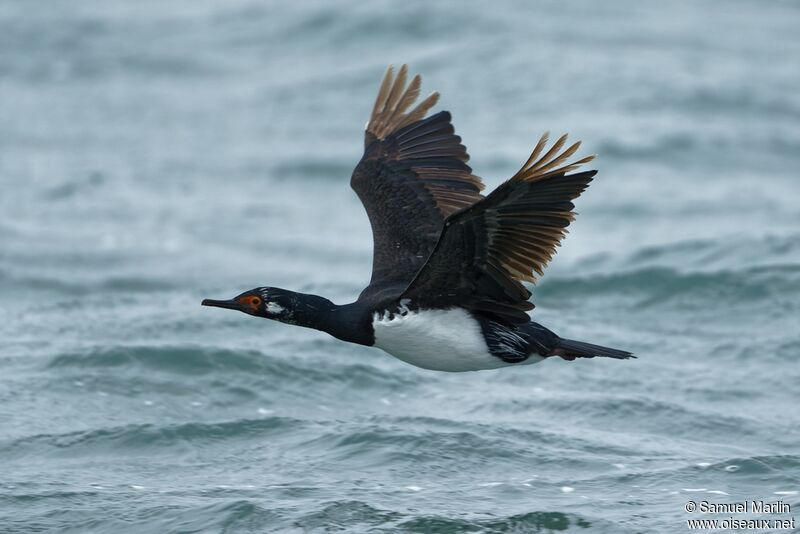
x=449 y=264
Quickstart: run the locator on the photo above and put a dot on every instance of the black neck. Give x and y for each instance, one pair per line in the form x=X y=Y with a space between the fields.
x=342 y=322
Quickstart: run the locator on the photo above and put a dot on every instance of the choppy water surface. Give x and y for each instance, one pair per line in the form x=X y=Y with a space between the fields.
x=154 y=154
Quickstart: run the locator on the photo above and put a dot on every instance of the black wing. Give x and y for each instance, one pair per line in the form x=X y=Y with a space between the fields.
x=486 y=250
x=412 y=176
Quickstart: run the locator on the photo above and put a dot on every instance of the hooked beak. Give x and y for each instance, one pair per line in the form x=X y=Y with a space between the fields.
x=229 y=304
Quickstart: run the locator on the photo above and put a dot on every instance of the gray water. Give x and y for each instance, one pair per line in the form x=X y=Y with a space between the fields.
x=153 y=154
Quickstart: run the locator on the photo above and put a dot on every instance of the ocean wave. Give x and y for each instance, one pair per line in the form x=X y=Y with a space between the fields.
x=660 y=417
x=689 y=149
x=383 y=442
x=788 y=464
x=65 y=284
x=126 y=439
x=76 y=47
x=661 y=149
x=718 y=254
x=414 y=451
x=355 y=515
x=666 y=286
x=523 y=522
x=274 y=366
x=734 y=476
x=514 y=435
x=177 y=359
x=313 y=170
x=738 y=100
x=693 y=275
x=329 y=515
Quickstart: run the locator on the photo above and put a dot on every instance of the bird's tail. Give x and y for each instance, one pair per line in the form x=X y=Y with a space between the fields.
x=570 y=349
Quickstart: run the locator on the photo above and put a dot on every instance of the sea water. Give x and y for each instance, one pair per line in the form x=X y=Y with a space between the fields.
x=153 y=154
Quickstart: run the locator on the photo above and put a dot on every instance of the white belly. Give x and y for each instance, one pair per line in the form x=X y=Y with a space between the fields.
x=441 y=340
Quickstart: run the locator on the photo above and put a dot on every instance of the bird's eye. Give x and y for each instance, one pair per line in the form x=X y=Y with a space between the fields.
x=255 y=301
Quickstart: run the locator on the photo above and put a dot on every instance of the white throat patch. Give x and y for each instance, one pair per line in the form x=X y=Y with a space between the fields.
x=274 y=308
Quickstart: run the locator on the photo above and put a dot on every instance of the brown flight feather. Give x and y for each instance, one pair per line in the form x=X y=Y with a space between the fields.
x=389 y=112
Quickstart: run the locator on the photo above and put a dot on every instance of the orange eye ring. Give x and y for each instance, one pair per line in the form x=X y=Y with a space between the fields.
x=253 y=301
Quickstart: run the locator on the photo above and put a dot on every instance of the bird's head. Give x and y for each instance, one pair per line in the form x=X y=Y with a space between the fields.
x=267 y=302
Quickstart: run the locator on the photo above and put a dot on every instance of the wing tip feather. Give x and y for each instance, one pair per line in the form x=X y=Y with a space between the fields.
x=389 y=113
x=553 y=162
